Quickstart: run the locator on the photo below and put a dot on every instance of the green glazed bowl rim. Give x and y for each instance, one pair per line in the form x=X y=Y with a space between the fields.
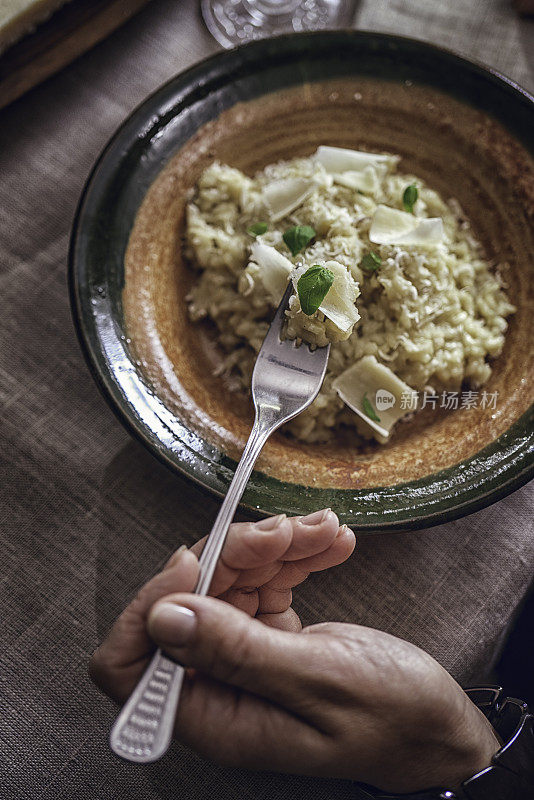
x=489 y=475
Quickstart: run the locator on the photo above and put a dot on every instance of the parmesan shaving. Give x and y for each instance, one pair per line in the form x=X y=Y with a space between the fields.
x=391 y=397
x=338 y=159
x=274 y=269
x=284 y=196
x=391 y=226
x=365 y=180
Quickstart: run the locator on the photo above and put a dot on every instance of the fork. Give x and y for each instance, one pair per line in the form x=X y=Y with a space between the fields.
x=285 y=380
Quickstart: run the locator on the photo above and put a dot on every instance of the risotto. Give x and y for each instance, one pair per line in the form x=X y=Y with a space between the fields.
x=383 y=267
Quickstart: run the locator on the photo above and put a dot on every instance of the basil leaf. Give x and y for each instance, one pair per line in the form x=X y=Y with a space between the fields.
x=369 y=410
x=312 y=288
x=409 y=197
x=371 y=261
x=258 y=228
x=298 y=237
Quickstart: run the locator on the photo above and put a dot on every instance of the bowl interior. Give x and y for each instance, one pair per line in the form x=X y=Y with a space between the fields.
x=259 y=105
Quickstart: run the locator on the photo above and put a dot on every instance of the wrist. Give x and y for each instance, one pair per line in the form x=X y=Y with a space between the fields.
x=510 y=773
x=458 y=742
x=478 y=744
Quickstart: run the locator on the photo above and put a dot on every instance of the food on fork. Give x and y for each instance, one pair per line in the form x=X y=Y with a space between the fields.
x=383 y=267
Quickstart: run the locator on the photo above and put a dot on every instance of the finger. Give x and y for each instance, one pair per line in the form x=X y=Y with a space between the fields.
x=249 y=578
x=291 y=573
x=311 y=534
x=258 y=547
x=259 y=602
x=249 y=545
x=128 y=643
x=246 y=600
x=229 y=646
x=294 y=572
x=288 y=620
x=273 y=601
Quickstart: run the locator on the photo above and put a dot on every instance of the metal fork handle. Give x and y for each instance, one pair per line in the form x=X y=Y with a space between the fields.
x=143 y=730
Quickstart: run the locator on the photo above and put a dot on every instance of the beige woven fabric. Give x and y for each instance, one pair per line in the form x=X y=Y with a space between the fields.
x=87 y=514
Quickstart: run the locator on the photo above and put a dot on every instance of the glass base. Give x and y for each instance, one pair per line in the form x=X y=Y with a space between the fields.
x=233 y=22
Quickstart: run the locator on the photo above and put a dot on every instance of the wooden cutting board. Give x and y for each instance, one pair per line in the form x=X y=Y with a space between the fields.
x=68 y=33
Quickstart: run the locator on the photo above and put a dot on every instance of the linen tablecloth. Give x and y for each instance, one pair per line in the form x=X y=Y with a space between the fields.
x=87 y=514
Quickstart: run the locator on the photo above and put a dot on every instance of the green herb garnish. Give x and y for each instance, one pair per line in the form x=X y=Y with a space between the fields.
x=369 y=410
x=258 y=228
x=409 y=197
x=371 y=261
x=298 y=237
x=312 y=288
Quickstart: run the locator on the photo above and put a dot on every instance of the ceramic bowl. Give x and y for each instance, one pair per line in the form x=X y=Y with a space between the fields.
x=462 y=128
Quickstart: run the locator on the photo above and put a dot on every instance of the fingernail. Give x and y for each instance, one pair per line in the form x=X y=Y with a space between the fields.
x=172 y=624
x=316 y=518
x=343 y=529
x=270 y=523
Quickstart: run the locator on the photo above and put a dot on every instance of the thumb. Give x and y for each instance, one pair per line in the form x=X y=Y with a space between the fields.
x=228 y=645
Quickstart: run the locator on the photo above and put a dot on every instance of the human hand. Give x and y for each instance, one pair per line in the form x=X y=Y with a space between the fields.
x=333 y=700
x=260 y=564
